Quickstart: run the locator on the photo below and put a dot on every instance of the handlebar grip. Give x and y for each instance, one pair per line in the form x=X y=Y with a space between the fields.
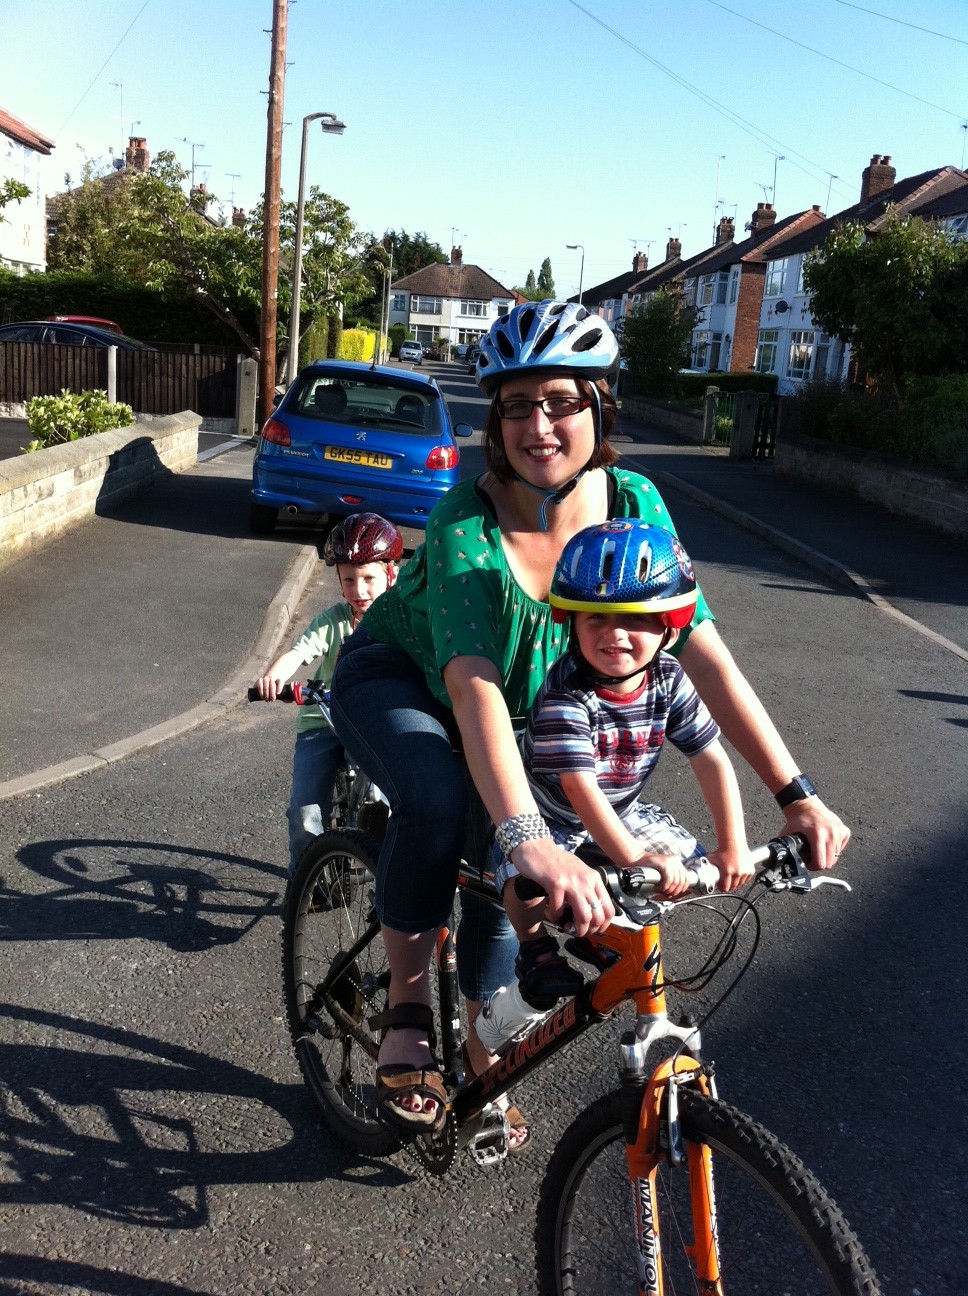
x=288 y=693
x=527 y=889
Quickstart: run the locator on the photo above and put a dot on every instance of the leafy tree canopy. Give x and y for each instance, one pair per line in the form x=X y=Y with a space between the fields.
x=546 y=282
x=899 y=297
x=12 y=191
x=655 y=343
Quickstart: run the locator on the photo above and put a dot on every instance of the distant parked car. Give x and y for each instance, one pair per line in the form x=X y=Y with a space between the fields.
x=69 y=335
x=96 y=320
x=352 y=438
x=411 y=352
x=429 y=351
x=473 y=351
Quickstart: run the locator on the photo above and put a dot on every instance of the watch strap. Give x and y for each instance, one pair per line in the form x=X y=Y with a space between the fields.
x=798 y=789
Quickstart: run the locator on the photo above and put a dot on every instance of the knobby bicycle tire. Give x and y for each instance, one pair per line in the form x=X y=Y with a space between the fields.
x=335 y=977
x=780 y=1233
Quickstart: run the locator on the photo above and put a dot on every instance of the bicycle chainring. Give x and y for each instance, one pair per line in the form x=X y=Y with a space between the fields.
x=436 y=1152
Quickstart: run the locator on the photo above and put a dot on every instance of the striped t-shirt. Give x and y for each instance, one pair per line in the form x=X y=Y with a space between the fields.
x=577 y=726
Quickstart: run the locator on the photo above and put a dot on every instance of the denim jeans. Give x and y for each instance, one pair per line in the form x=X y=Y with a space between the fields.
x=401 y=736
x=314 y=765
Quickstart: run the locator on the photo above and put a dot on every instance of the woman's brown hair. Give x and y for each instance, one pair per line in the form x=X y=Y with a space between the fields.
x=603 y=455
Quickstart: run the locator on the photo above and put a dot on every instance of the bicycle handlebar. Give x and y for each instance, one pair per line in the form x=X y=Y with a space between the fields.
x=309 y=694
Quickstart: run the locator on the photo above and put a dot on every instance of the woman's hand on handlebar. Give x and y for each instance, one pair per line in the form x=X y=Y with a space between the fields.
x=568 y=883
x=826 y=832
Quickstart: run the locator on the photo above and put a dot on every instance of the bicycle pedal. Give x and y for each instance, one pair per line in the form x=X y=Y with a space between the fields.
x=490 y=1144
x=582 y=948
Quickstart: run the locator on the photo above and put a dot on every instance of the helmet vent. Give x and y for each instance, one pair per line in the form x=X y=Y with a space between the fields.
x=505 y=345
x=558 y=308
x=526 y=322
x=645 y=563
x=589 y=340
x=608 y=561
x=546 y=338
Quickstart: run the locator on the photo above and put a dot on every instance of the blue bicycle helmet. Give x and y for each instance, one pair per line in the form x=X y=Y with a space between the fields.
x=548 y=335
x=625 y=565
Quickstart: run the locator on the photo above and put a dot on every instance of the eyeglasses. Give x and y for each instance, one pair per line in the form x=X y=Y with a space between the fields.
x=553 y=407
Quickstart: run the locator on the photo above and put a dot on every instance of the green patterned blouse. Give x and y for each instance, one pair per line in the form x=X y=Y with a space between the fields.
x=457 y=597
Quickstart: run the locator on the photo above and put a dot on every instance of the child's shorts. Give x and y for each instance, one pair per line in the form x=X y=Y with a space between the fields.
x=657 y=833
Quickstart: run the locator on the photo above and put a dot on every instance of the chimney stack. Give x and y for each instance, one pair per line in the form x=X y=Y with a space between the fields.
x=725 y=230
x=673 y=250
x=456 y=256
x=238 y=217
x=136 y=155
x=762 y=219
x=640 y=262
x=877 y=178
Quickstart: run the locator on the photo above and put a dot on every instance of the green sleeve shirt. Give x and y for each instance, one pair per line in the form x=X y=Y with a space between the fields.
x=321 y=643
x=457 y=597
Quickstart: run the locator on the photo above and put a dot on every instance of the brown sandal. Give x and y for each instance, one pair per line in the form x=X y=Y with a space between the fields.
x=397 y=1080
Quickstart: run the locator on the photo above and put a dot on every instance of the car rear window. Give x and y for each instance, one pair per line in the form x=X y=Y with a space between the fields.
x=399 y=407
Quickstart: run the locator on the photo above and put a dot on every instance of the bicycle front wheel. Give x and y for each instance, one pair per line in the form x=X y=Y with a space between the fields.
x=779 y=1232
x=335 y=977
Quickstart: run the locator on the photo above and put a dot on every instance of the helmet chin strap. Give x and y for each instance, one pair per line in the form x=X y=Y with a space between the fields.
x=556 y=496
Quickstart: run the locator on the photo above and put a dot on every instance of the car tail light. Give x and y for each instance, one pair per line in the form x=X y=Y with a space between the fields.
x=443 y=457
x=276 y=432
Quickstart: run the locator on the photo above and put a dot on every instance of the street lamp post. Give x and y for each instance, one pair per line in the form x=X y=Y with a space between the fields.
x=331 y=125
x=574 y=247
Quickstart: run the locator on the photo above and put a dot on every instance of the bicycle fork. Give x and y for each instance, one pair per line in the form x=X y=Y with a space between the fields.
x=653 y=1139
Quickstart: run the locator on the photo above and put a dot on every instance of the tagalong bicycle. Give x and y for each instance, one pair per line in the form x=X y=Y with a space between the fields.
x=659 y=1187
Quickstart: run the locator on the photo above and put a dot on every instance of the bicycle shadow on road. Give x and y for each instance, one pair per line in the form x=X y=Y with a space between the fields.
x=115 y=1124
x=185 y=897
x=15 y=1270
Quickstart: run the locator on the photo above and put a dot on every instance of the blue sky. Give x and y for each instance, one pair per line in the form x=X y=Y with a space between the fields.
x=521 y=125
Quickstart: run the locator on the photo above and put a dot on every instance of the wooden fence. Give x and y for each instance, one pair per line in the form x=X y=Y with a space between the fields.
x=151 y=382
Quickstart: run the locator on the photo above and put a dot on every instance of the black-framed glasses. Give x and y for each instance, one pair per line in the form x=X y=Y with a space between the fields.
x=553 y=407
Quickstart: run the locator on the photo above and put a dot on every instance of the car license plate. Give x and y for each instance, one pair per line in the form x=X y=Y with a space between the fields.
x=366 y=458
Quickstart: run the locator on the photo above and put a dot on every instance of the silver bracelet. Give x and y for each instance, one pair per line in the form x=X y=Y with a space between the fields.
x=519 y=829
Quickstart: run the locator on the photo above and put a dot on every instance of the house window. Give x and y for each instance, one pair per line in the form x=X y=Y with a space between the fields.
x=700 y=351
x=502 y=310
x=473 y=308
x=765 y=361
x=706 y=284
x=801 y=288
x=775 y=272
x=399 y=301
x=821 y=357
x=733 y=285
x=715 y=347
x=801 y=354
x=426 y=305
x=722 y=284
x=957 y=226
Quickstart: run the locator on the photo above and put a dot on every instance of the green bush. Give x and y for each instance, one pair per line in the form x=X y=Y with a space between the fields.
x=53 y=420
x=930 y=431
x=397 y=334
x=357 y=344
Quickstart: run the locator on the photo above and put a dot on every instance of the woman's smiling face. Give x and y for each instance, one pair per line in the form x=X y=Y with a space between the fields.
x=546 y=452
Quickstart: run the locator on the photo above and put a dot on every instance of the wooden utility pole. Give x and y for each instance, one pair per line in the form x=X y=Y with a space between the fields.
x=270 y=235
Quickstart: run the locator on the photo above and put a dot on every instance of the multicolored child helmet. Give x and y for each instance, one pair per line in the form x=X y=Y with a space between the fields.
x=625 y=566
x=548 y=335
x=363 y=538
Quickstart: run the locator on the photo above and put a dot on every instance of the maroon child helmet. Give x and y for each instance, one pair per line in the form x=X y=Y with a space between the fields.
x=363 y=538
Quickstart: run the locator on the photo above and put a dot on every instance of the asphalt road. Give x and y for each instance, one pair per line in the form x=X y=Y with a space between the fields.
x=157 y=1141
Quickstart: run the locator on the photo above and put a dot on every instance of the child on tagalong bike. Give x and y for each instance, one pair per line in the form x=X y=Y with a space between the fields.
x=365 y=550
x=597 y=725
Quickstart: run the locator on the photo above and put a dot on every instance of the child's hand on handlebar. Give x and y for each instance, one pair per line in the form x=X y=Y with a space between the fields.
x=675 y=879
x=735 y=866
x=269 y=687
x=568 y=882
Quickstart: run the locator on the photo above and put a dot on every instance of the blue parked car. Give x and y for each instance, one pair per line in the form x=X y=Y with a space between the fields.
x=350 y=438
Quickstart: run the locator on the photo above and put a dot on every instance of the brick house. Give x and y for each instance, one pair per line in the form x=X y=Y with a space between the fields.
x=23 y=237
x=788 y=342
x=454 y=301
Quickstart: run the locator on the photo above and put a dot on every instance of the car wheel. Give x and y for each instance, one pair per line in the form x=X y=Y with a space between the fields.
x=262 y=519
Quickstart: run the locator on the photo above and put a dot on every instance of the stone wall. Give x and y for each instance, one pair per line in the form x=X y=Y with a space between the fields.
x=45 y=493
x=911 y=492
x=687 y=423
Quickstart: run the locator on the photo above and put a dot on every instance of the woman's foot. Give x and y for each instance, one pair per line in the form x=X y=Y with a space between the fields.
x=476 y=1060
x=409 y=1088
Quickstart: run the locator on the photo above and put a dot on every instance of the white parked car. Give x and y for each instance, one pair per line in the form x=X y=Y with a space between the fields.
x=411 y=352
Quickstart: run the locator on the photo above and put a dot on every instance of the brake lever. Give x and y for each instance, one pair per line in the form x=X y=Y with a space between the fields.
x=791 y=874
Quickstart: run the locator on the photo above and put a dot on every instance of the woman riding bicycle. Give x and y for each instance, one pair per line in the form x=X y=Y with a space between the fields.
x=462 y=643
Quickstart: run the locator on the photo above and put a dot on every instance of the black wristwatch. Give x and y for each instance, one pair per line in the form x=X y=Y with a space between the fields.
x=798 y=789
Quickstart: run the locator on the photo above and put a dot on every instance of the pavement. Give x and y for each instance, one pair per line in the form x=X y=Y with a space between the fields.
x=146 y=623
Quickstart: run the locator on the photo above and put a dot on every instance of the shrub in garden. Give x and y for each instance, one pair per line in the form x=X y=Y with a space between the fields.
x=53 y=420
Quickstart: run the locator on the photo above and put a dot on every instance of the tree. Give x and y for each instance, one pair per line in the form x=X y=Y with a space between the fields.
x=411 y=252
x=655 y=343
x=899 y=297
x=12 y=191
x=546 y=283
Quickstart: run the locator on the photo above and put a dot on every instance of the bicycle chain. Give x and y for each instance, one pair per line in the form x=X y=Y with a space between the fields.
x=436 y=1152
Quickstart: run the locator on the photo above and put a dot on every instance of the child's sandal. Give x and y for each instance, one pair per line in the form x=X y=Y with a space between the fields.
x=544 y=975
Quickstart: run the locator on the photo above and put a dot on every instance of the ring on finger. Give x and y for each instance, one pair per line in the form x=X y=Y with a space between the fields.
x=593 y=905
